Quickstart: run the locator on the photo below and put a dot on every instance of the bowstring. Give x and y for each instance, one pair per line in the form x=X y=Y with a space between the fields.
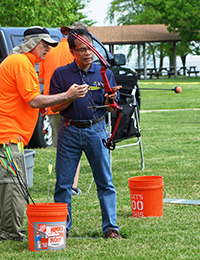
x=90 y=98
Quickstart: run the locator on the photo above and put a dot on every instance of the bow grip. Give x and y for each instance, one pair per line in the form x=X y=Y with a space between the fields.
x=106 y=83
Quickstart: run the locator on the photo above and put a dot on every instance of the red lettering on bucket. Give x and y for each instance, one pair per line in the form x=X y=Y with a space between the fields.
x=56 y=229
x=55 y=239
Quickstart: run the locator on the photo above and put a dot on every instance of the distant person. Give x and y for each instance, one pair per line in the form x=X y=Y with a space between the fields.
x=21 y=102
x=57 y=57
x=82 y=130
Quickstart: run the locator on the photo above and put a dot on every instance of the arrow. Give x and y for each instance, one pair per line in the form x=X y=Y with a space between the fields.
x=50 y=171
x=13 y=169
x=98 y=106
x=21 y=152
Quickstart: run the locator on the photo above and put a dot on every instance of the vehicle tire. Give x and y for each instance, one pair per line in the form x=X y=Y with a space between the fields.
x=42 y=135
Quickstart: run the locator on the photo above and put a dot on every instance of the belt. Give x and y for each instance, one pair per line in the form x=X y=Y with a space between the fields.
x=82 y=124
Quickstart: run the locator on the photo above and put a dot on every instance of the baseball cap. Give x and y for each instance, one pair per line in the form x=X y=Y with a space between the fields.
x=42 y=33
x=65 y=29
x=32 y=36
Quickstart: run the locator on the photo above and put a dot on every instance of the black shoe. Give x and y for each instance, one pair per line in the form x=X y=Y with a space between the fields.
x=112 y=233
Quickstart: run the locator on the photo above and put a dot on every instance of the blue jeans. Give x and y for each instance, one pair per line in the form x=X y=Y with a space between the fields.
x=71 y=142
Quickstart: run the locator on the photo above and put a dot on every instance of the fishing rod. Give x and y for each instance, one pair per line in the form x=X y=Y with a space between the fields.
x=177 y=89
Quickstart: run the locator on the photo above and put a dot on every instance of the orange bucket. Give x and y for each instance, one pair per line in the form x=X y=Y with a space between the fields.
x=146 y=194
x=47 y=226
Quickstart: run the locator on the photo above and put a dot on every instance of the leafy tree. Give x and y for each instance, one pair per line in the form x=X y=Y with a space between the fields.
x=182 y=16
x=50 y=13
x=126 y=12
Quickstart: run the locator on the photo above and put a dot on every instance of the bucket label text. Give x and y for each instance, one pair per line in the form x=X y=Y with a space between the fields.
x=137 y=205
x=49 y=236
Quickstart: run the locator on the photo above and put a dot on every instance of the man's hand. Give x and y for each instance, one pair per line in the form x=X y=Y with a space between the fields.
x=74 y=92
x=44 y=111
x=78 y=91
x=111 y=96
x=114 y=94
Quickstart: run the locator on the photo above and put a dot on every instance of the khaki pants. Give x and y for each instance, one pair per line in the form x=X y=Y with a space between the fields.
x=12 y=203
x=55 y=124
x=12 y=206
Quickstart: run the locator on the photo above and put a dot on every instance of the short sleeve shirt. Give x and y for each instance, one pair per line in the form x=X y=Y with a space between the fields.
x=65 y=76
x=19 y=85
x=58 y=56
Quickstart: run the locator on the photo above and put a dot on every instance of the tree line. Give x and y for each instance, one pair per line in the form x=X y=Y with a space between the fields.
x=180 y=16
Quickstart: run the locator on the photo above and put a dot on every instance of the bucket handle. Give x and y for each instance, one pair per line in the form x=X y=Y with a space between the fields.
x=164 y=192
x=46 y=236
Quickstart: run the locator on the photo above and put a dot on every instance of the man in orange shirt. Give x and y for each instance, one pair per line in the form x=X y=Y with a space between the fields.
x=57 y=57
x=20 y=103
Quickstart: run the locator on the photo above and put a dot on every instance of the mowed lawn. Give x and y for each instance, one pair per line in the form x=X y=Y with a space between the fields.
x=170 y=133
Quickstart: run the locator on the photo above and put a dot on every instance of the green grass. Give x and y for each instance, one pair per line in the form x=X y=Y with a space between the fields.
x=171 y=141
x=161 y=99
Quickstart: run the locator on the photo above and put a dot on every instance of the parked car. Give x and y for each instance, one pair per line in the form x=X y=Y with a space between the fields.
x=13 y=36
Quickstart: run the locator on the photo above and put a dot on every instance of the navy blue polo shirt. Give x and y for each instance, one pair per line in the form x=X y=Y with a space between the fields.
x=65 y=76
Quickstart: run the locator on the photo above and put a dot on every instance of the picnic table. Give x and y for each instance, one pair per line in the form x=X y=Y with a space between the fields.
x=192 y=70
x=154 y=72
x=182 y=71
x=140 y=72
x=151 y=72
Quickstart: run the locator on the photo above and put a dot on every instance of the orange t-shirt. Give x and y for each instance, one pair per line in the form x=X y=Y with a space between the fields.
x=19 y=85
x=57 y=57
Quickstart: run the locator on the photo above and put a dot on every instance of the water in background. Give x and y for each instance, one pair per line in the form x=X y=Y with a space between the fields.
x=191 y=60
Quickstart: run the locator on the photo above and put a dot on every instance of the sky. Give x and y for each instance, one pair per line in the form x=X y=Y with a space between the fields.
x=96 y=10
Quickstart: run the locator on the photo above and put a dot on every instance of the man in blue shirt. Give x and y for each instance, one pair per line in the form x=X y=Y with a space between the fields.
x=83 y=128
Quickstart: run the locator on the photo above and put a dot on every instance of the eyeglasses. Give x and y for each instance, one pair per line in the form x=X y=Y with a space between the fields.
x=82 y=50
x=46 y=46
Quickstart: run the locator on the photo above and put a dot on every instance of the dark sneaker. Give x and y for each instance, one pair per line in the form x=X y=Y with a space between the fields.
x=112 y=233
x=76 y=191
